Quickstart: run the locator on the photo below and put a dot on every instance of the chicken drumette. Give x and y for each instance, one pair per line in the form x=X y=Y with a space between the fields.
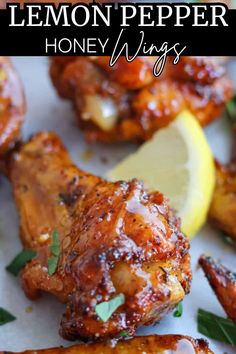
x=126 y=102
x=115 y=238
x=12 y=105
x=174 y=344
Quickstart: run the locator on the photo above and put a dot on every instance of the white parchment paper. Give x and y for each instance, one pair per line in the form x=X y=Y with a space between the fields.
x=39 y=328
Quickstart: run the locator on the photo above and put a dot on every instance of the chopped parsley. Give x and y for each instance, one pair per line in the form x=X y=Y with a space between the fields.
x=124 y=333
x=231 y=109
x=5 y=317
x=178 y=310
x=105 y=309
x=216 y=327
x=55 y=253
x=227 y=239
x=20 y=261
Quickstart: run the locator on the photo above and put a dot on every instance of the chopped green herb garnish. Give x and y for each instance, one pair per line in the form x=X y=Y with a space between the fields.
x=52 y=264
x=215 y=327
x=55 y=253
x=55 y=246
x=20 y=261
x=105 y=309
x=124 y=334
x=231 y=109
x=178 y=310
x=227 y=239
x=5 y=317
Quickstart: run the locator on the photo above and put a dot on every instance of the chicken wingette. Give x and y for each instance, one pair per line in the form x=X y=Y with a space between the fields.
x=117 y=241
x=223 y=282
x=174 y=344
x=12 y=105
x=127 y=102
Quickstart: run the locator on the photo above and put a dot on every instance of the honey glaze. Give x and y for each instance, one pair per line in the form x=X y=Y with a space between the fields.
x=184 y=346
x=169 y=344
x=166 y=344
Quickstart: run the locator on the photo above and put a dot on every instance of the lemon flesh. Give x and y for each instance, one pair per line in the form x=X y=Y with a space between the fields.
x=178 y=162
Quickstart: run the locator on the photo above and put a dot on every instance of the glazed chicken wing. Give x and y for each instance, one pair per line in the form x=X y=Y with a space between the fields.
x=174 y=344
x=223 y=207
x=127 y=102
x=223 y=282
x=12 y=105
x=115 y=239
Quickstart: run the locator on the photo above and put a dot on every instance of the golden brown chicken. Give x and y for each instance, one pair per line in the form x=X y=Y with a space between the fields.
x=223 y=282
x=12 y=105
x=223 y=206
x=126 y=102
x=175 y=344
x=117 y=242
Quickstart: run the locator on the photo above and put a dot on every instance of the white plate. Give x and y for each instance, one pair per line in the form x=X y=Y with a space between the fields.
x=39 y=329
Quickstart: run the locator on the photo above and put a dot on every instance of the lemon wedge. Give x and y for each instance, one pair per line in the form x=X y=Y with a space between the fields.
x=178 y=162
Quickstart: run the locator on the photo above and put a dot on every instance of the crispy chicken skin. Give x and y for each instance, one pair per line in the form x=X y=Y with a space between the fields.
x=222 y=212
x=132 y=101
x=223 y=282
x=115 y=238
x=175 y=344
x=12 y=105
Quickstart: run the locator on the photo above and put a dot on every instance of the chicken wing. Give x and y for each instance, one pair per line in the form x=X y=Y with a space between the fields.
x=115 y=238
x=12 y=105
x=126 y=102
x=175 y=344
x=223 y=282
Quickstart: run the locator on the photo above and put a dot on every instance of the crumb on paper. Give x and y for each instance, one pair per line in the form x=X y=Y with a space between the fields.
x=87 y=155
x=29 y=309
x=104 y=159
